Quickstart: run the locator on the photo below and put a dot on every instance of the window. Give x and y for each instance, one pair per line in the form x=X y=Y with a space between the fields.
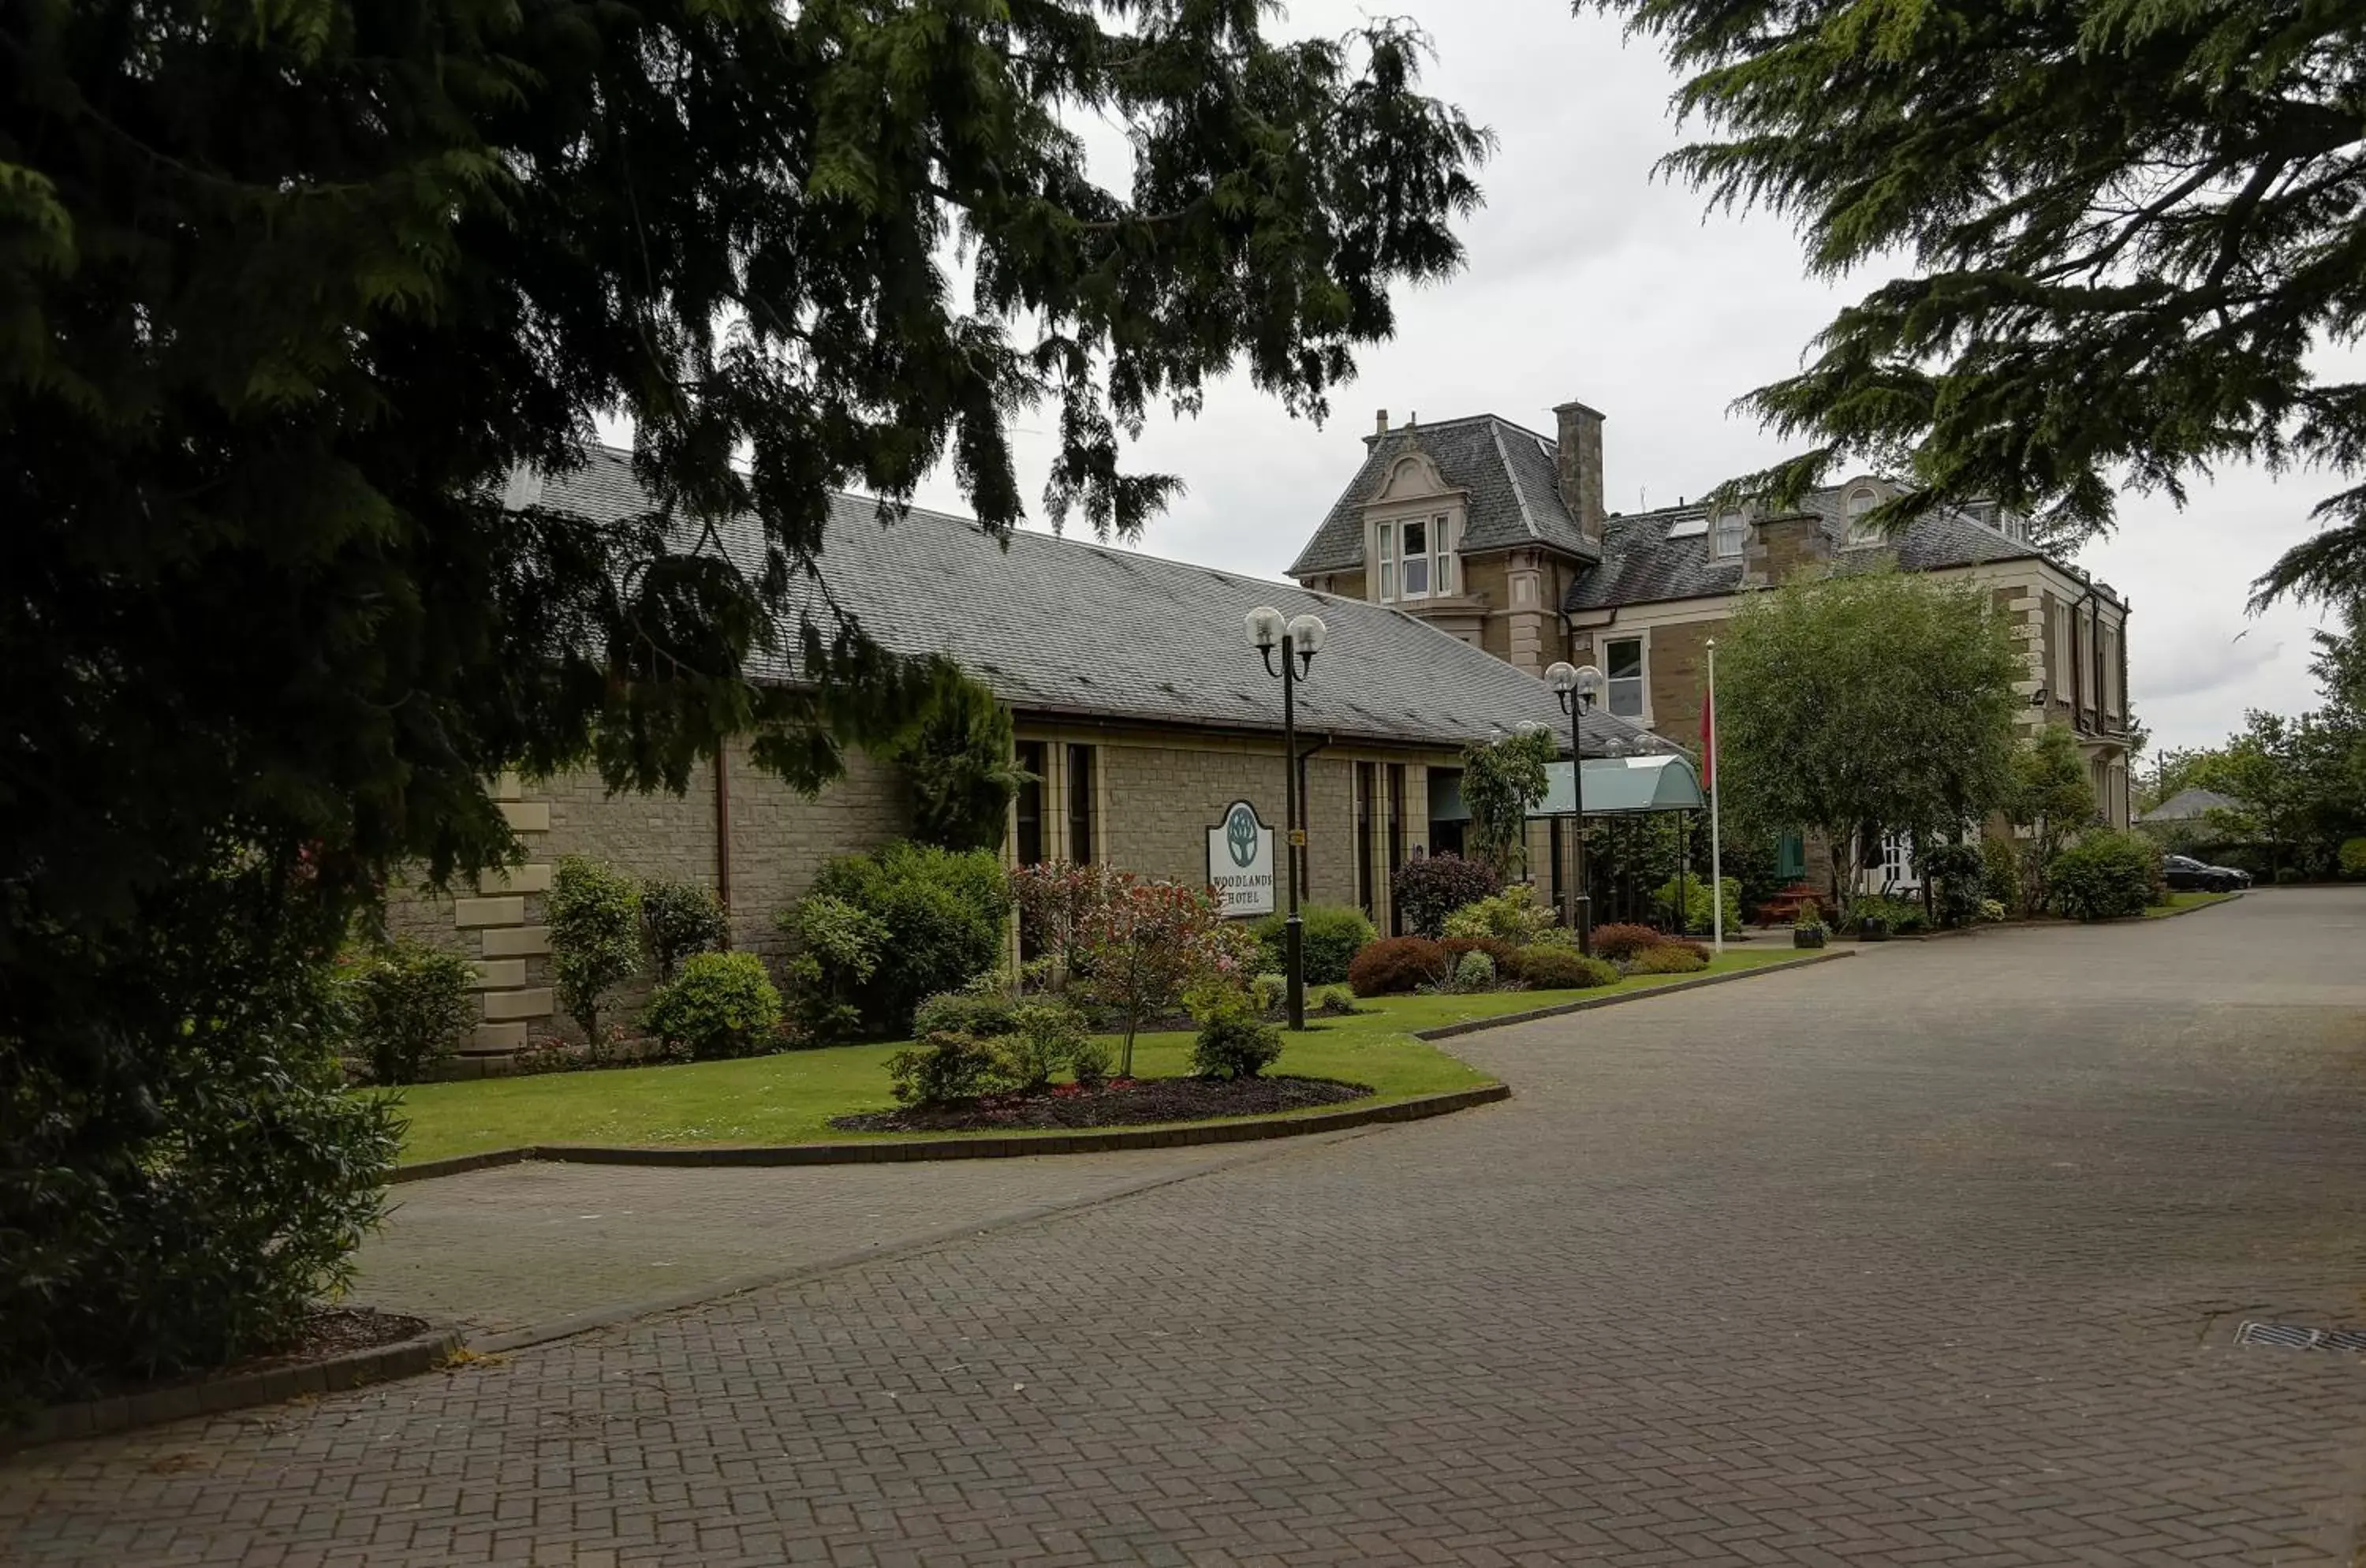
x=1028 y=849
x=1396 y=842
x=1417 y=556
x=1726 y=543
x=1080 y=804
x=1367 y=779
x=1412 y=572
x=1862 y=529
x=1623 y=662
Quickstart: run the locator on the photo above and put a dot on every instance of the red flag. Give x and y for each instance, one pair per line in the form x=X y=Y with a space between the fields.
x=1708 y=738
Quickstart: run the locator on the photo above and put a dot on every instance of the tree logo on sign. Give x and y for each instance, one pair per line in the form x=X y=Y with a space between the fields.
x=1241 y=834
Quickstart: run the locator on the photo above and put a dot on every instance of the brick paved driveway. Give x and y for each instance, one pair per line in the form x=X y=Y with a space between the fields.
x=1929 y=1256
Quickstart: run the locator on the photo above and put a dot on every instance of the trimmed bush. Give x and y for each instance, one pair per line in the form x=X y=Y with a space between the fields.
x=1426 y=891
x=2104 y=876
x=1269 y=991
x=2353 y=857
x=1330 y=937
x=678 y=919
x=1620 y=943
x=718 y=1005
x=410 y=1006
x=2001 y=872
x=1547 y=966
x=594 y=911
x=1333 y=1001
x=938 y=918
x=1047 y=1035
x=1959 y=874
x=1495 y=948
x=965 y=1012
x=944 y=1069
x=1699 y=914
x=1474 y=971
x=1697 y=949
x=1669 y=958
x=1513 y=916
x=1901 y=916
x=1090 y=1060
x=1233 y=1042
x=1396 y=964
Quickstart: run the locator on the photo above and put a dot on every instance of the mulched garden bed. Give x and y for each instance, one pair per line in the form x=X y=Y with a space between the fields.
x=1120 y=1103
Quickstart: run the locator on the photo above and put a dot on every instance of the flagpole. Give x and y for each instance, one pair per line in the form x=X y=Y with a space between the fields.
x=1716 y=840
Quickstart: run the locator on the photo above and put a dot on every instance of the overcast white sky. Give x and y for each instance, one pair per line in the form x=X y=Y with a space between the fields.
x=1590 y=279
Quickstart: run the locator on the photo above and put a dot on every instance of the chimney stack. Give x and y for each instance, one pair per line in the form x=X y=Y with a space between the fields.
x=1578 y=462
x=1381 y=427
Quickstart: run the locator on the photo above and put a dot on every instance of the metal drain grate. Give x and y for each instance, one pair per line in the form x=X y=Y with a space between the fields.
x=2299 y=1336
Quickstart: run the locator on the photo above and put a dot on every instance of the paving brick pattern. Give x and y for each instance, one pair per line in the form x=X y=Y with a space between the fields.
x=1931 y=1257
x=529 y=1245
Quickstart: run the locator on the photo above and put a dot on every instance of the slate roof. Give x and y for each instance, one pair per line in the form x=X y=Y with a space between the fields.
x=2188 y=806
x=1056 y=627
x=1507 y=470
x=1642 y=564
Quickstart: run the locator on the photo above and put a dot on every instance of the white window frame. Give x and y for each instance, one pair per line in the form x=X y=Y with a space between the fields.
x=1860 y=537
x=1440 y=557
x=1718 y=534
x=1641 y=678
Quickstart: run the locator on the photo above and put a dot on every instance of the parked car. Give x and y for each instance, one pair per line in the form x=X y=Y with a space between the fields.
x=2186 y=873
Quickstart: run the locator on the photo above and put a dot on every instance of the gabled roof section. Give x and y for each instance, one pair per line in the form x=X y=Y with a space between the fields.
x=1645 y=560
x=1506 y=470
x=1058 y=627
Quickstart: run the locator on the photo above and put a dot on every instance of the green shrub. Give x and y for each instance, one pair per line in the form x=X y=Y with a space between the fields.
x=1426 y=891
x=1330 y=935
x=1269 y=991
x=1046 y=1035
x=1699 y=914
x=2001 y=872
x=410 y=1004
x=1810 y=916
x=1620 y=943
x=1512 y=915
x=944 y=1069
x=2288 y=874
x=1495 y=948
x=717 y=1005
x=835 y=948
x=938 y=918
x=2105 y=876
x=1991 y=910
x=1335 y=1002
x=1959 y=874
x=1550 y=967
x=1396 y=964
x=1474 y=971
x=1669 y=958
x=1234 y=1041
x=595 y=912
x=678 y=919
x=2353 y=857
x=965 y=1012
x=1902 y=915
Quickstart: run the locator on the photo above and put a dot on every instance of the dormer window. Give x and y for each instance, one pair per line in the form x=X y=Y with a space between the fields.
x=1725 y=539
x=1417 y=556
x=1862 y=529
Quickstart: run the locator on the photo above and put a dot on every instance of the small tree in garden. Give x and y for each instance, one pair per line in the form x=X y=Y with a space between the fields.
x=1056 y=899
x=2052 y=797
x=1144 y=943
x=595 y=939
x=957 y=763
x=678 y=919
x=1501 y=781
x=1426 y=891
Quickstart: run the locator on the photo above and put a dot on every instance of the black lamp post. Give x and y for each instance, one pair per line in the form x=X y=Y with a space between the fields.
x=1576 y=689
x=1298 y=640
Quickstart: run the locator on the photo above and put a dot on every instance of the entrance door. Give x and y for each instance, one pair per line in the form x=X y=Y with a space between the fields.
x=1896 y=871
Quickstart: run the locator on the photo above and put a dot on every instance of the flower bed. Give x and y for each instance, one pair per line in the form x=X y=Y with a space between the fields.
x=1121 y=1102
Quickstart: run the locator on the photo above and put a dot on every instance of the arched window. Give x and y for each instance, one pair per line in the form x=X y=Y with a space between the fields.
x=1861 y=530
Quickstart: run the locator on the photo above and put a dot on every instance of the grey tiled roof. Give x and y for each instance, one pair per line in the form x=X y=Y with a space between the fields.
x=1058 y=627
x=1642 y=564
x=1507 y=470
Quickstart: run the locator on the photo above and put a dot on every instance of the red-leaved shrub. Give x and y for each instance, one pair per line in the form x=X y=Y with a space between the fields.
x=1495 y=947
x=1669 y=958
x=1395 y=964
x=1624 y=941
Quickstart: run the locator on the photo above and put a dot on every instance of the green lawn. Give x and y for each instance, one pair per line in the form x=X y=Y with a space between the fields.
x=789 y=1099
x=2179 y=902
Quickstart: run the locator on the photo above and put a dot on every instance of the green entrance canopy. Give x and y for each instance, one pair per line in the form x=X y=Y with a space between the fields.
x=1614 y=786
